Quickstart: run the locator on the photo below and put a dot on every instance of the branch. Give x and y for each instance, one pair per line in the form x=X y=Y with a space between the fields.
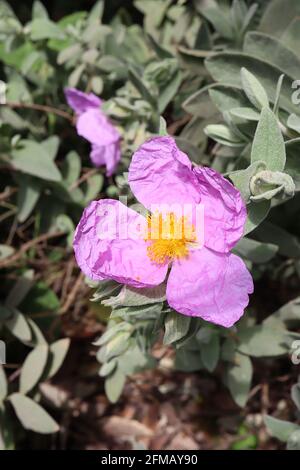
x=13 y=258
x=39 y=107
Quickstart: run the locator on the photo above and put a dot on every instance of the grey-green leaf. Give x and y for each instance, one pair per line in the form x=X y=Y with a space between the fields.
x=256 y=213
x=293 y=442
x=279 y=428
x=32 y=416
x=254 y=90
x=34 y=160
x=255 y=251
x=238 y=378
x=176 y=327
x=33 y=368
x=210 y=352
x=28 y=195
x=114 y=385
x=58 y=352
x=268 y=144
x=263 y=341
x=19 y=327
x=3 y=384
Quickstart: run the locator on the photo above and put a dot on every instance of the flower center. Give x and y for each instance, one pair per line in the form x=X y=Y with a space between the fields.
x=170 y=237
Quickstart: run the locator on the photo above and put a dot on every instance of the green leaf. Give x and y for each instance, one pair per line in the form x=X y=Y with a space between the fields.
x=114 y=385
x=223 y=134
x=268 y=144
x=291 y=35
x=169 y=90
x=132 y=297
x=176 y=327
x=34 y=160
x=28 y=195
x=41 y=298
x=50 y=145
x=20 y=289
x=68 y=53
x=58 y=352
x=32 y=416
x=293 y=442
x=295 y=394
x=116 y=346
x=6 y=431
x=93 y=187
x=96 y=12
x=18 y=326
x=225 y=67
x=107 y=368
x=71 y=168
x=263 y=341
x=242 y=178
x=256 y=213
x=245 y=113
x=254 y=89
x=188 y=361
x=3 y=384
x=43 y=28
x=278 y=15
x=219 y=17
x=33 y=368
x=141 y=87
x=162 y=126
x=255 y=251
x=38 y=10
x=289 y=245
x=210 y=352
x=238 y=378
x=6 y=251
x=279 y=428
x=200 y=103
x=38 y=337
x=271 y=49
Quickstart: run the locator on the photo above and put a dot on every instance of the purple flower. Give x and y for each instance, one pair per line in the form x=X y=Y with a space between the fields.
x=205 y=279
x=93 y=125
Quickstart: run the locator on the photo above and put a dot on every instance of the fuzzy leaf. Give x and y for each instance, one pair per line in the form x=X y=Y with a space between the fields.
x=114 y=385
x=279 y=428
x=238 y=378
x=254 y=89
x=33 y=368
x=268 y=144
x=32 y=416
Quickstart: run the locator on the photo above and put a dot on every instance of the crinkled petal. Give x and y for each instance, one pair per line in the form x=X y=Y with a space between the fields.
x=213 y=286
x=80 y=101
x=109 y=244
x=160 y=173
x=224 y=210
x=108 y=155
x=94 y=126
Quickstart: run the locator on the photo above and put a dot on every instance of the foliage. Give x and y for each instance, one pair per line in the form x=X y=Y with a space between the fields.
x=219 y=75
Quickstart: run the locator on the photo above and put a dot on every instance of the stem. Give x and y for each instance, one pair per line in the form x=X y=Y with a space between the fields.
x=40 y=107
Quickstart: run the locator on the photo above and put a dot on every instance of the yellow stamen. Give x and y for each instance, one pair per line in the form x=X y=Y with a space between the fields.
x=169 y=236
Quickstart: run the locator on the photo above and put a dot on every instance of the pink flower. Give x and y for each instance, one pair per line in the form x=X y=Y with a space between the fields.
x=93 y=125
x=205 y=279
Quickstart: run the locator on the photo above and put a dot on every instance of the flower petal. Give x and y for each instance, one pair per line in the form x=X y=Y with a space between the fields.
x=224 y=210
x=209 y=285
x=94 y=126
x=108 y=155
x=160 y=173
x=80 y=101
x=109 y=244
